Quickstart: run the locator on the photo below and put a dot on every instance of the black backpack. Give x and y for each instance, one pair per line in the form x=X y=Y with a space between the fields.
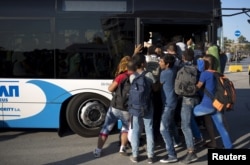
x=225 y=93
x=120 y=95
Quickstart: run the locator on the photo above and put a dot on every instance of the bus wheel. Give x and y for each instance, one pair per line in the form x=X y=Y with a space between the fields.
x=86 y=114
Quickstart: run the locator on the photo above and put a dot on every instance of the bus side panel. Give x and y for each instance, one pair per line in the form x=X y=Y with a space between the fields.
x=47 y=118
x=1 y=117
x=33 y=103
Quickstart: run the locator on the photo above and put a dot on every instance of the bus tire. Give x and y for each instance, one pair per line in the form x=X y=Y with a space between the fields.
x=86 y=114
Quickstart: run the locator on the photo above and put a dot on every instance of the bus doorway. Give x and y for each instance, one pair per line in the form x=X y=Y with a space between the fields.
x=162 y=32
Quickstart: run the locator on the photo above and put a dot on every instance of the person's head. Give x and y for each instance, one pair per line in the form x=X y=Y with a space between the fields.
x=122 y=66
x=188 y=55
x=167 y=61
x=139 y=61
x=158 y=49
x=210 y=62
x=131 y=67
x=171 y=48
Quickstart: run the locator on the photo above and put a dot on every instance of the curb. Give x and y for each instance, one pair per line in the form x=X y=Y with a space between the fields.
x=236 y=68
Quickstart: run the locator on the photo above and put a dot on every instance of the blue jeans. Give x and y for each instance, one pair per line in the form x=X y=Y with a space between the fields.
x=200 y=110
x=187 y=118
x=167 y=120
x=113 y=115
x=147 y=120
x=175 y=133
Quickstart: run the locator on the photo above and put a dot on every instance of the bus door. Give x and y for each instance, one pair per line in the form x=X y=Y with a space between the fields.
x=149 y=31
x=160 y=31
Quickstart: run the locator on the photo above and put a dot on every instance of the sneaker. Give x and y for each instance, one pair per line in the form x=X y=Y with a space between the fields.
x=169 y=159
x=97 y=153
x=150 y=160
x=123 y=151
x=177 y=145
x=134 y=159
x=191 y=157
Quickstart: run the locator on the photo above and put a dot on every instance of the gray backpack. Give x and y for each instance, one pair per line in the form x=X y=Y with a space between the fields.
x=186 y=79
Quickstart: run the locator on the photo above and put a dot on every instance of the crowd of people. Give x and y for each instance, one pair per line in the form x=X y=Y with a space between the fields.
x=167 y=110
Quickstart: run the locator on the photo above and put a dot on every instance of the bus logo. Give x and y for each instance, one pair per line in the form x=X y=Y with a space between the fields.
x=9 y=91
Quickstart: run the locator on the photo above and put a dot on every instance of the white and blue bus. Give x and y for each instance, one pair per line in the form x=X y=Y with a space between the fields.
x=57 y=57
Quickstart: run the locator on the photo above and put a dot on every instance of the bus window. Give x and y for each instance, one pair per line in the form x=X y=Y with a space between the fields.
x=26 y=43
x=82 y=48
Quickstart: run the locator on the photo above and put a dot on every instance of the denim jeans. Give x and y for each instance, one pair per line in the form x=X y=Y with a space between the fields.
x=167 y=119
x=175 y=133
x=200 y=110
x=147 y=120
x=113 y=115
x=187 y=118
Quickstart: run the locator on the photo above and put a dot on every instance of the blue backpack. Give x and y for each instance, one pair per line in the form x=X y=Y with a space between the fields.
x=139 y=95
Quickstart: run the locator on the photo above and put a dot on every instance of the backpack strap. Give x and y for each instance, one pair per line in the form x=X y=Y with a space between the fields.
x=208 y=94
x=144 y=73
x=127 y=75
x=138 y=75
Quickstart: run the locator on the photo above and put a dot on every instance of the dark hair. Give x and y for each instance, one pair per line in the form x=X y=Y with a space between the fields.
x=131 y=66
x=168 y=59
x=211 y=61
x=188 y=54
x=138 y=60
x=172 y=46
